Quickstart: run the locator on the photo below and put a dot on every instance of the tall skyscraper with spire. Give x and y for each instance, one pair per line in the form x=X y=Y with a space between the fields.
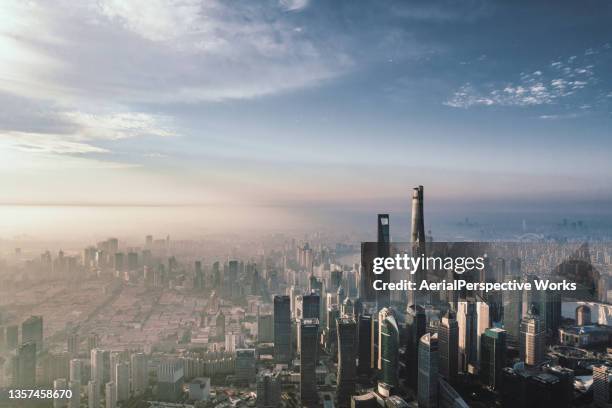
x=418 y=244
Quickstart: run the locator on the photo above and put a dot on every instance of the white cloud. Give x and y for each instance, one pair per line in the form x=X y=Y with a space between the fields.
x=294 y=5
x=541 y=87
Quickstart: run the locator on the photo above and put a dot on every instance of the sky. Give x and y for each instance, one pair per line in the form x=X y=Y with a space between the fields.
x=307 y=105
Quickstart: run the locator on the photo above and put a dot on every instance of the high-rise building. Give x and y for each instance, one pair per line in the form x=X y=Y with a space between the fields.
x=383 y=297
x=418 y=240
x=512 y=311
x=483 y=321
x=388 y=345
x=93 y=394
x=122 y=378
x=533 y=338
x=170 y=380
x=416 y=326
x=427 y=394
x=268 y=389
x=448 y=397
x=59 y=397
x=492 y=356
x=220 y=325
x=364 y=366
x=139 y=373
x=602 y=379
x=347 y=369
x=72 y=343
x=245 y=366
x=311 y=307
x=448 y=343
x=24 y=367
x=309 y=346
x=282 y=329
x=75 y=398
x=467 y=322
x=97 y=366
x=110 y=395
x=265 y=328
x=75 y=370
x=32 y=331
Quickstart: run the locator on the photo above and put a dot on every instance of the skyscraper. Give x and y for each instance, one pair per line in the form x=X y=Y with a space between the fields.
x=428 y=371
x=347 y=369
x=93 y=394
x=73 y=343
x=268 y=389
x=32 y=331
x=282 y=329
x=59 y=399
x=418 y=244
x=492 y=356
x=309 y=346
x=24 y=367
x=139 y=373
x=97 y=366
x=110 y=395
x=466 y=320
x=416 y=325
x=513 y=311
x=75 y=399
x=170 y=377
x=75 y=370
x=448 y=343
x=311 y=307
x=533 y=337
x=364 y=367
x=383 y=297
x=483 y=321
x=122 y=378
x=388 y=345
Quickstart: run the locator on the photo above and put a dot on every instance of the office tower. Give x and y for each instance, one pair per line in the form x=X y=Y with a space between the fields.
x=268 y=389
x=428 y=371
x=383 y=297
x=93 y=394
x=347 y=369
x=418 y=240
x=110 y=395
x=220 y=325
x=492 y=357
x=139 y=373
x=416 y=326
x=24 y=369
x=533 y=337
x=448 y=397
x=75 y=370
x=12 y=337
x=311 y=307
x=483 y=322
x=388 y=345
x=602 y=378
x=333 y=314
x=583 y=315
x=309 y=346
x=32 y=331
x=170 y=377
x=97 y=365
x=513 y=312
x=75 y=399
x=115 y=357
x=364 y=367
x=551 y=303
x=198 y=279
x=92 y=342
x=265 y=328
x=72 y=343
x=245 y=366
x=466 y=320
x=448 y=343
x=59 y=399
x=122 y=380
x=282 y=329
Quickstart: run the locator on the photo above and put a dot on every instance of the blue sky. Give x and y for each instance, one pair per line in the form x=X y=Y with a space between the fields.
x=307 y=104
